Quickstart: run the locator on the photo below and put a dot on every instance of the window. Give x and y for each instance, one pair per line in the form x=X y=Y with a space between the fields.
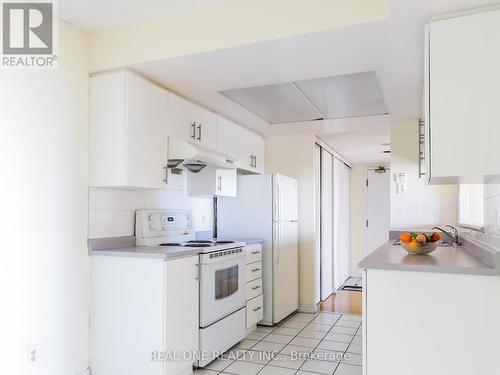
x=471 y=205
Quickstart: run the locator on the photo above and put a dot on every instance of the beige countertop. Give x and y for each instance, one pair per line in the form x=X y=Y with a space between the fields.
x=125 y=247
x=466 y=259
x=149 y=252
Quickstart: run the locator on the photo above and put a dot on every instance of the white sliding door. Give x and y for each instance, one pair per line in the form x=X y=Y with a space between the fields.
x=341 y=222
x=327 y=286
x=317 y=165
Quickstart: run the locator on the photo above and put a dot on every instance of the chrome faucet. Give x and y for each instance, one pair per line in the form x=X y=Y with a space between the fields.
x=453 y=235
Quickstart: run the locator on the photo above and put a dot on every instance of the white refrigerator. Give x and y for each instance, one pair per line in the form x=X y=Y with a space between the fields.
x=266 y=208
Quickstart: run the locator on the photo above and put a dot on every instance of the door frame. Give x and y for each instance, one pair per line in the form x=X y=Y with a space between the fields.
x=365 y=230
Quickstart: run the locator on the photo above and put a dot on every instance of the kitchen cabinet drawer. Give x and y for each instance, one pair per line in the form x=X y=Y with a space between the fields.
x=254 y=288
x=254 y=253
x=255 y=308
x=254 y=271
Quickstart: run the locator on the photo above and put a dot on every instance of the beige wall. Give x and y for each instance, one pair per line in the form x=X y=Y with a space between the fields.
x=358 y=216
x=423 y=205
x=225 y=24
x=293 y=155
x=44 y=267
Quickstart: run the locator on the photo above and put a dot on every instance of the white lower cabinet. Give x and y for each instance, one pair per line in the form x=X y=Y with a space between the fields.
x=255 y=308
x=143 y=315
x=254 y=296
x=418 y=323
x=254 y=288
x=254 y=271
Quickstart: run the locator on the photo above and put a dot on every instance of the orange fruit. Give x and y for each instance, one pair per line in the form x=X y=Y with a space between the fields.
x=405 y=237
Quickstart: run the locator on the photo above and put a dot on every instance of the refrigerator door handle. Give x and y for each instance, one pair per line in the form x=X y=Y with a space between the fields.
x=278 y=203
x=278 y=248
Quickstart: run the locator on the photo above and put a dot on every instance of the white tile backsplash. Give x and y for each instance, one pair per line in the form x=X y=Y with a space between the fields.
x=420 y=211
x=423 y=205
x=112 y=211
x=492 y=215
x=491 y=235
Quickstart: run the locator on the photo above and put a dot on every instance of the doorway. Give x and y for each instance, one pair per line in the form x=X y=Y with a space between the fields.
x=378 y=208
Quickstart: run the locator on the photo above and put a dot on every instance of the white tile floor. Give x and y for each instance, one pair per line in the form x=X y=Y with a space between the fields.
x=303 y=344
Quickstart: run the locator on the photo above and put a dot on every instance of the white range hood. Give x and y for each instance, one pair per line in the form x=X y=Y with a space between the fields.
x=182 y=154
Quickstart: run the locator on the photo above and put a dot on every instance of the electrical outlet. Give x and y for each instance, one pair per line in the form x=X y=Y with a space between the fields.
x=32 y=352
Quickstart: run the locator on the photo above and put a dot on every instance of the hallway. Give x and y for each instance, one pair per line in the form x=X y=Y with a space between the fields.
x=344 y=301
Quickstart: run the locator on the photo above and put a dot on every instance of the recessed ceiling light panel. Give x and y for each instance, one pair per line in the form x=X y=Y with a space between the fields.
x=276 y=104
x=350 y=95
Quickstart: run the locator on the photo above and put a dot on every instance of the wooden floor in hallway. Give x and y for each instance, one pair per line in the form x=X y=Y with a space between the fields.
x=347 y=302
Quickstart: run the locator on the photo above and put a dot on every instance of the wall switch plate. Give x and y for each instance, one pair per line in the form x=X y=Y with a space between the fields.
x=401 y=185
x=32 y=352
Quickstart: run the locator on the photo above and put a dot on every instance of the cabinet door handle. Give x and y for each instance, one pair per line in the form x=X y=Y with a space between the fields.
x=256 y=269
x=256 y=287
x=193 y=126
x=257 y=308
x=165 y=180
x=255 y=161
x=251 y=160
x=199 y=132
x=219 y=180
x=255 y=252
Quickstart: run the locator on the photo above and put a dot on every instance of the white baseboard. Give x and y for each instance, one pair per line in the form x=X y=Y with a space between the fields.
x=308 y=308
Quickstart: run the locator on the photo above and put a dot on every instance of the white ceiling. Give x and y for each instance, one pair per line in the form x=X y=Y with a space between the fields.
x=92 y=15
x=393 y=48
x=361 y=147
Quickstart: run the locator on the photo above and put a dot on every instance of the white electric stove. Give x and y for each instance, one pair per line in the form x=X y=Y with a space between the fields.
x=222 y=277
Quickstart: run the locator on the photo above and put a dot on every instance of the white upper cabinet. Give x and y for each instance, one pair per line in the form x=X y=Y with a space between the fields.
x=127 y=132
x=212 y=182
x=192 y=123
x=247 y=147
x=462 y=95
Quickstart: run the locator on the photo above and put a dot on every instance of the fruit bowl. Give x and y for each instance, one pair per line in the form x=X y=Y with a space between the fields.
x=420 y=243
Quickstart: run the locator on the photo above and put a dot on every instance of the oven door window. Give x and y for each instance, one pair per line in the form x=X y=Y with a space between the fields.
x=226 y=282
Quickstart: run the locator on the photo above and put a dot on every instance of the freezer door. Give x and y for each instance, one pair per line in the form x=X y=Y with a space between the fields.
x=286 y=269
x=285 y=201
